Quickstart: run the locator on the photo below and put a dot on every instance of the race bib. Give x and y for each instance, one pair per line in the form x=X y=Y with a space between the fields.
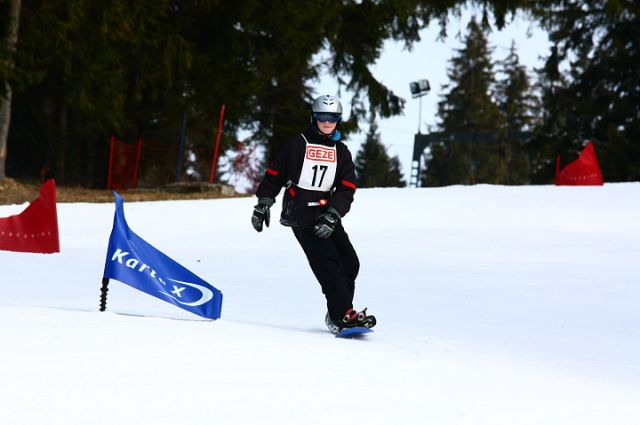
x=318 y=168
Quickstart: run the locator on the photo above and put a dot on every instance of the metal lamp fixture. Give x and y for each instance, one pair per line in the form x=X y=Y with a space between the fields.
x=419 y=88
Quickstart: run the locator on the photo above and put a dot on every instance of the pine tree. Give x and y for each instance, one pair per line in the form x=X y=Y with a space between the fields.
x=552 y=129
x=468 y=107
x=514 y=92
x=374 y=167
x=518 y=106
x=395 y=177
x=468 y=101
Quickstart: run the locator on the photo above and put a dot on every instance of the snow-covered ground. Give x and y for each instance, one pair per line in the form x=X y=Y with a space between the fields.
x=496 y=305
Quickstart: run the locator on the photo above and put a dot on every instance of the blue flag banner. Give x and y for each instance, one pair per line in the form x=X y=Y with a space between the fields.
x=133 y=261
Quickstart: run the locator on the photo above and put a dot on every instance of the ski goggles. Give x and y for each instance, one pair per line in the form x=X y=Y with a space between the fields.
x=326 y=117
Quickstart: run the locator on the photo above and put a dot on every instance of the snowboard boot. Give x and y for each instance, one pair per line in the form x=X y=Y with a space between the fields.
x=351 y=319
x=333 y=328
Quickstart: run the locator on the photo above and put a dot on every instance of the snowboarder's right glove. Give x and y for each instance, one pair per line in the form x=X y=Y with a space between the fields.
x=261 y=213
x=323 y=228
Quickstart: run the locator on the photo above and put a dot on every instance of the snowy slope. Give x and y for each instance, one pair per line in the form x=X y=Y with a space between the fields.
x=496 y=305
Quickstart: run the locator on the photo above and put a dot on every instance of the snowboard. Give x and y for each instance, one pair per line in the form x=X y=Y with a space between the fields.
x=353 y=332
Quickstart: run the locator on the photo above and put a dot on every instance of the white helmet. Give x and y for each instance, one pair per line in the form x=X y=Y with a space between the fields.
x=327 y=104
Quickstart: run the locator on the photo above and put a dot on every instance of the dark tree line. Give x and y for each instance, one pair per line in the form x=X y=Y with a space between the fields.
x=599 y=97
x=484 y=111
x=78 y=71
x=587 y=90
x=85 y=70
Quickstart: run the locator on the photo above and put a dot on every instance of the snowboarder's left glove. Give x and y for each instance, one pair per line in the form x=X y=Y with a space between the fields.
x=323 y=228
x=261 y=213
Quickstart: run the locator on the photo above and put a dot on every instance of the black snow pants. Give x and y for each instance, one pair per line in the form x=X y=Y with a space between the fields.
x=335 y=264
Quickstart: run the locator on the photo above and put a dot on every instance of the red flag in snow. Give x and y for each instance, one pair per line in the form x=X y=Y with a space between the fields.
x=584 y=171
x=124 y=162
x=36 y=228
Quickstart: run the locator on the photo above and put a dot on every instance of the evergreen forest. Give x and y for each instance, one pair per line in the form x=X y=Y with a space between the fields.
x=74 y=73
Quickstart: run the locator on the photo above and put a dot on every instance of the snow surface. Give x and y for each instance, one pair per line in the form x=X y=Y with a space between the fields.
x=496 y=305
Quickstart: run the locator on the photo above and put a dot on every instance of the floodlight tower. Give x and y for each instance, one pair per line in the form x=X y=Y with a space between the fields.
x=418 y=89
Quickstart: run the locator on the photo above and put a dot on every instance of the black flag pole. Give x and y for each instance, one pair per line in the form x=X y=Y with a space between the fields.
x=103 y=293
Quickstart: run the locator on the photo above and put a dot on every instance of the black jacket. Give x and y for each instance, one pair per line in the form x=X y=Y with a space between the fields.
x=306 y=167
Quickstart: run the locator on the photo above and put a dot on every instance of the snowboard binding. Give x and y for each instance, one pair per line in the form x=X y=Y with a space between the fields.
x=351 y=319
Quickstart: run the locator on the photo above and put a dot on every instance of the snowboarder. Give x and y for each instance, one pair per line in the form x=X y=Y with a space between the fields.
x=318 y=173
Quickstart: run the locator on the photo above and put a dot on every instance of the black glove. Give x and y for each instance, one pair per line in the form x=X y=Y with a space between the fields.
x=324 y=224
x=261 y=213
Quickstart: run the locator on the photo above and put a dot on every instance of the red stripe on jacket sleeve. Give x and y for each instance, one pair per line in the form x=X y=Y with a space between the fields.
x=272 y=172
x=349 y=184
